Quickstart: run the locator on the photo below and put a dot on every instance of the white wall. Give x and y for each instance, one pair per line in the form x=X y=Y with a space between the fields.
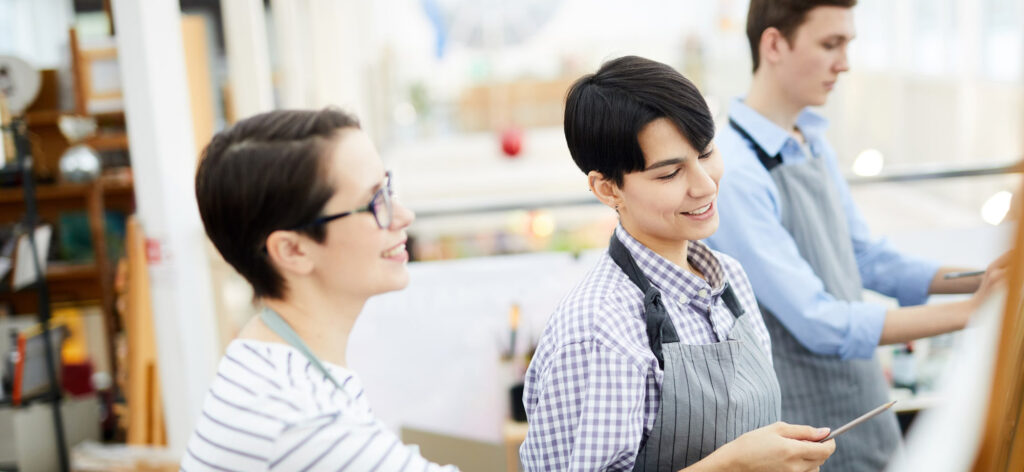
x=429 y=355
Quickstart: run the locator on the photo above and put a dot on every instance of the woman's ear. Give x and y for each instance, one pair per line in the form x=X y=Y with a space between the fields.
x=287 y=251
x=604 y=189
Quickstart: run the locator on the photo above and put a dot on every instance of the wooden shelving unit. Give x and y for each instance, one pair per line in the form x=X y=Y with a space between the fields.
x=90 y=282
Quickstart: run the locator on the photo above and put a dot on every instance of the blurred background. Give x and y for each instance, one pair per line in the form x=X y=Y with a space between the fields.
x=464 y=101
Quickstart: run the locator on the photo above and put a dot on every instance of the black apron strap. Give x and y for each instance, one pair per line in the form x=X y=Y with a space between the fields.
x=731 y=302
x=659 y=327
x=769 y=162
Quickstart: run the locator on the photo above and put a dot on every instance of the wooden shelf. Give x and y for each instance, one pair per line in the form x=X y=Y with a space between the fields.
x=57 y=198
x=45 y=193
x=50 y=117
x=103 y=141
x=58 y=272
x=72 y=277
x=16 y=195
x=43 y=117
x=108 y=141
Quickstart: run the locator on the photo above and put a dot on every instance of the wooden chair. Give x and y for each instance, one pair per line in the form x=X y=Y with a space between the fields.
x=97 y=82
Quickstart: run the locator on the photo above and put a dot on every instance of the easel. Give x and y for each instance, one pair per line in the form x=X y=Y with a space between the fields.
x=1002 y=444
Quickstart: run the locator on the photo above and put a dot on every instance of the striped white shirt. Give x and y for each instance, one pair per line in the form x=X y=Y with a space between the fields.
x=269 y=409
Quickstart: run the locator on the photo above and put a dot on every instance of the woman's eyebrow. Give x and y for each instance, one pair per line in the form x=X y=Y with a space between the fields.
x=372 y=190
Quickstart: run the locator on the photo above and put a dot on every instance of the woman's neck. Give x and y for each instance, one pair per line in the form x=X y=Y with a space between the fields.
x=323 y=323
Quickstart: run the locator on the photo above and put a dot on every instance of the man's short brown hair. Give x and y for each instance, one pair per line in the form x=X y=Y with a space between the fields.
x=783 y=15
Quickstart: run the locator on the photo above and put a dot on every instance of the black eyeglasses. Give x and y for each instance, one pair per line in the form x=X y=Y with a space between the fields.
x=379 y=206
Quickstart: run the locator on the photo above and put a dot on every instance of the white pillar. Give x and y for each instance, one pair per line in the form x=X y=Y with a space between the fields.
x=291 y=38
x=245 y=38
x=339 y=36
x=968 y=16
x=159 y=123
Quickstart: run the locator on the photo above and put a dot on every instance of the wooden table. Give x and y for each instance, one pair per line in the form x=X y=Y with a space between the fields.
x=513 y=434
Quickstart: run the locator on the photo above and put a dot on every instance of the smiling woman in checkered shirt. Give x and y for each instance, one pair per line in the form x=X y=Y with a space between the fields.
x=658 y=359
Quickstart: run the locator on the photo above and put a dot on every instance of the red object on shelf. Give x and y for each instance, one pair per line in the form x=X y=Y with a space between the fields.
x=77 y=378
x=512 y=141
x=19 y=371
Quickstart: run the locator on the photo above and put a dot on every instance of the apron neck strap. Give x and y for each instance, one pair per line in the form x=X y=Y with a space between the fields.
x=769 y=162
x=659 y=327
x=732 y=302
x=279 y=326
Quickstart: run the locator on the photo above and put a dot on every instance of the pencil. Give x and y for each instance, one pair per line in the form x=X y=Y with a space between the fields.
x=957 y=275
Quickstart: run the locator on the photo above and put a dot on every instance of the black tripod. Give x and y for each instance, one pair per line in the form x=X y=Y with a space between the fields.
x=24 y=164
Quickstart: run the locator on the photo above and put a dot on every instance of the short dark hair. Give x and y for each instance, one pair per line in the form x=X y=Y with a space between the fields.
x=266 y=173
x=606 y=110
x=783 y=15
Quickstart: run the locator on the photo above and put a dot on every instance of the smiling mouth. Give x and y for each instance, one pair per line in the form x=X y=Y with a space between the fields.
x=700 y=211
x=395 y=251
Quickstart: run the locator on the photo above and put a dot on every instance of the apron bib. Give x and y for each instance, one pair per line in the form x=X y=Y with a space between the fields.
x=710 y=394
x=823 y=390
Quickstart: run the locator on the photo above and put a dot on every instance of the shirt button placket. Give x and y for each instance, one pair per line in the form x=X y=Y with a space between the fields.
x=702 y=302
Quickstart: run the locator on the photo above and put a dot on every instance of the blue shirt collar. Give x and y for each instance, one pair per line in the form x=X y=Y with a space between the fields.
x=770 y=136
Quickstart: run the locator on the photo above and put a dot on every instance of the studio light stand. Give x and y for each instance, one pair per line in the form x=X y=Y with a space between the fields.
x=23 y=161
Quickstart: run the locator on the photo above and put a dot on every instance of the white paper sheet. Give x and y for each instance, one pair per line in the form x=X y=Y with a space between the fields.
x=24 y=269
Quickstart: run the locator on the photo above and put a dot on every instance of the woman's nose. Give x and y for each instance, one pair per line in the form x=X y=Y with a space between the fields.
x=402 y=217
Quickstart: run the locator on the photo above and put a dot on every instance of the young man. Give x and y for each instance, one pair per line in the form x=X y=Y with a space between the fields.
x=788 y=217
x=658 y=359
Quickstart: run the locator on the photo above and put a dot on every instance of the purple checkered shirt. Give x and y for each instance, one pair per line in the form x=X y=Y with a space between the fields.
x=593 y=387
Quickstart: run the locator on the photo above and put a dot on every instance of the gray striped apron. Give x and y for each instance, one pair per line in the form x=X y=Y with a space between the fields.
x=823 y=390
x=711 y=393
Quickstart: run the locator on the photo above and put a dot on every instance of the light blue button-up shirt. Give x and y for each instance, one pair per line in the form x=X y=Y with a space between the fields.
x=751 y=231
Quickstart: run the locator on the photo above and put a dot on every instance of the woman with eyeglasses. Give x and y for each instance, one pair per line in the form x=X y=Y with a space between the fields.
x=299 y=203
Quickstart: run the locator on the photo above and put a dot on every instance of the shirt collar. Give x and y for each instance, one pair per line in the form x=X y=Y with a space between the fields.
x=667 y=276
x=770 y=136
